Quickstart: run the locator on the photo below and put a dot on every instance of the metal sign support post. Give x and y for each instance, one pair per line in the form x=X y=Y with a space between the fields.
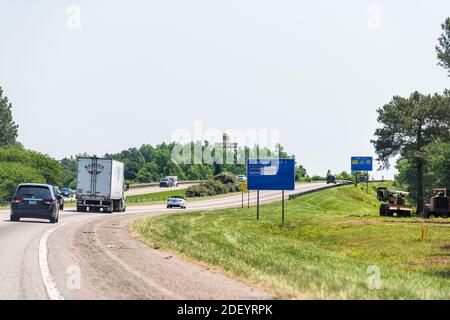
x=257 y=204
x=282 y=207
x=356 y=179
x=248 y=199
x=242 y=199
x=270 y=174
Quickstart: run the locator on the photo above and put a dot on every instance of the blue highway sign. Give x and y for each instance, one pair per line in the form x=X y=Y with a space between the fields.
x=362 y=164
x=270 y=174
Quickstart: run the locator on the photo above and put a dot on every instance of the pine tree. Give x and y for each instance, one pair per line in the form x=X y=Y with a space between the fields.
x=8 y=128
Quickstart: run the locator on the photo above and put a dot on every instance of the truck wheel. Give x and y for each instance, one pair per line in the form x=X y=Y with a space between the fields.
x=52 y=220
x=110 y=209
x=384 y=210
x=14 y=218
x=115 y=206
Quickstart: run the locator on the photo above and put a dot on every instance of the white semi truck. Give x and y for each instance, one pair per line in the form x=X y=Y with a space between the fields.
x=100 y=185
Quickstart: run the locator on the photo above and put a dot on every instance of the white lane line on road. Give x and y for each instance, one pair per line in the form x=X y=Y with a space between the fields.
x=49 y=283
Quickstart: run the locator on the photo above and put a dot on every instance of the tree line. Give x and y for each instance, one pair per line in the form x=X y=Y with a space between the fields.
x=417 y=129
x=149 y=163
x=18 y=165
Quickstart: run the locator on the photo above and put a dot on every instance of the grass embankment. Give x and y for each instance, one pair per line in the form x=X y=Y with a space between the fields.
x=156 y=197
x=323 y=251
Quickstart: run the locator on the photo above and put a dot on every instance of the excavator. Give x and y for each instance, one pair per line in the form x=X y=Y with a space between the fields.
x=394 y=202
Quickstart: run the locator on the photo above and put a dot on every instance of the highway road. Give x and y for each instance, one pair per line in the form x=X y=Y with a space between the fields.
x=92 y=256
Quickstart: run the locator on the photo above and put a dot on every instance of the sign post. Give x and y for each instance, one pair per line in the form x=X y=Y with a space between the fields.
x=362 y=164
x=270 y=174
x=257 y=204
x=243 y=187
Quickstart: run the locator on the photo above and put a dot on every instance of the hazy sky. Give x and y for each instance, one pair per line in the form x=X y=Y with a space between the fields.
x=132 y=72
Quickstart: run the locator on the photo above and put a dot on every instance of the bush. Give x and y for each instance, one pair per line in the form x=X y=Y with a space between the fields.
x=199 y=190
x=11 y=175
x=305 y=179
x=229 y=180
x=225 y=178
x=216 y=187
x=211 y=188
x=45 y=166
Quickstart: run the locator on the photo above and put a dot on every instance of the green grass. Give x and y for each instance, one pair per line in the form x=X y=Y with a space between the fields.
x=156 y=197
x=323 y=251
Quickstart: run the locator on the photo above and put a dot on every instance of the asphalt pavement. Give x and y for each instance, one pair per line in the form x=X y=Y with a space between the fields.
x=92 y=256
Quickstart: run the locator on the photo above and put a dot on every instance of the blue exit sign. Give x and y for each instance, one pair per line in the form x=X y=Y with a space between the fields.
x=362 y=164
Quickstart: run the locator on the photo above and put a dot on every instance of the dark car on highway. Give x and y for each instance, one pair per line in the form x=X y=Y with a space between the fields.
x=67 y=192
x=37 y=201
x=166 y=183
x=331 y=179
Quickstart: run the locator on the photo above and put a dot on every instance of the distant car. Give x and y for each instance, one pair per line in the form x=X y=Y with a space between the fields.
x=176 y=201
x=241 y=178
x=67 y=192
x=37 y=201
x=166 y=183
x=331 y=179
x=59 y=197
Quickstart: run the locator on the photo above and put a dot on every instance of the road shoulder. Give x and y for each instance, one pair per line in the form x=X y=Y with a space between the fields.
x=114 y=265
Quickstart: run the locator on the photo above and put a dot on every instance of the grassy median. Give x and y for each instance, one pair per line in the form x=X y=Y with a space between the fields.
x=323 y=251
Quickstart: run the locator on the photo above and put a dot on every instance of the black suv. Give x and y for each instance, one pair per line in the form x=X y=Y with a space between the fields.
x=166 y=183
x=331 y=179
x=38 y=201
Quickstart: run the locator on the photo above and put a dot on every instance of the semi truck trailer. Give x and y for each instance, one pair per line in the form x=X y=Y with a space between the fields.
x=100 y=185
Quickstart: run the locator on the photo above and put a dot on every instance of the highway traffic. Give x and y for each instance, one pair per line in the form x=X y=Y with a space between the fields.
x=244 y=154
x=92 y=256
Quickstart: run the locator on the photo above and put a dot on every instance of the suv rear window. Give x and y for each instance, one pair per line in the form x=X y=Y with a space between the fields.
x=37 y=192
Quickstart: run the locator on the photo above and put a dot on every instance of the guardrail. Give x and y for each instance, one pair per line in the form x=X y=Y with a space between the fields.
x=339 y=184
x=152 y=184
x=332 y=186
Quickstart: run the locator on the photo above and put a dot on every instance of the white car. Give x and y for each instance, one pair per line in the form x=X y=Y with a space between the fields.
x=176 y=201
x=241 y=178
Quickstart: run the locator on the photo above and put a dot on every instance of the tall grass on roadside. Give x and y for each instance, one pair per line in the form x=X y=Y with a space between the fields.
x=324 y=250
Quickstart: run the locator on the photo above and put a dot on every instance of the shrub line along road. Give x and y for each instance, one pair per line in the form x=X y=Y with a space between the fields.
x=111 y=264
